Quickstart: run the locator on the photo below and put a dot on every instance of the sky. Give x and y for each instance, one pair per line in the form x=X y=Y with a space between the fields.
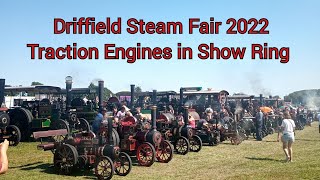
x=292 y=24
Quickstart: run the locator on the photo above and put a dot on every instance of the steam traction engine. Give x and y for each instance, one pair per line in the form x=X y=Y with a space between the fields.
x=9 y=132
x=182 y=136
x=147 y=144
x=208 y=131
x=45 y=114
x=84 y=150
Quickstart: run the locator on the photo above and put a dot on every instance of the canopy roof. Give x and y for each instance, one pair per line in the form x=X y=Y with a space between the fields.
x=241 y=96
x=41 y=89
x=79 y=91
x=205 y=92
x=146 y=93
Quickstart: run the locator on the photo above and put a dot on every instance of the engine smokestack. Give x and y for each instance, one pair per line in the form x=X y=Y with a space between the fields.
x=154 y=117
x=186 y=115
x=100 y=93
x=132 y=95
x=154 y=97
x=68 y=92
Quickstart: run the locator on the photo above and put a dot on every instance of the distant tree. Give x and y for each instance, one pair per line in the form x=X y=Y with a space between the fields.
x=138 y=89
x=305 y=97
x=276 y=97
x=107 y=92
x=36 y=83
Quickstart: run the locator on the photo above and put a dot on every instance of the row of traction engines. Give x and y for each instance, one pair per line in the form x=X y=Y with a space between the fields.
x=149 y=135
x=110 y=150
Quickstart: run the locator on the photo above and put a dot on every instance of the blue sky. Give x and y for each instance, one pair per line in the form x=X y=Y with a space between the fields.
x=292 y=24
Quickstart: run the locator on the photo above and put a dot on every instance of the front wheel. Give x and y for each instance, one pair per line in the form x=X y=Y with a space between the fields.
x=164 y=152
x=123 y=164
x=104 y=168
x=146 y=154
x=195 y=143
x=182 y=145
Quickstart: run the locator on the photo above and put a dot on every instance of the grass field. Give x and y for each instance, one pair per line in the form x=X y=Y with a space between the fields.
x=249 y=160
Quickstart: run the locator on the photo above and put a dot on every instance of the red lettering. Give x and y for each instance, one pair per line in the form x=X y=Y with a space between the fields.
x=131 y=25
x=107 y=51
x=55 y=26
x=60 y=49
x=191 y=25
x=33 y=46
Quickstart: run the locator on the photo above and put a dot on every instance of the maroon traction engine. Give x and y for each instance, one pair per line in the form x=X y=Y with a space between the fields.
x=147 y=144
x=84 y=150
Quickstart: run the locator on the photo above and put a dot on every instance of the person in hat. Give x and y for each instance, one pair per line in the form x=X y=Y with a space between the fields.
x=98 y=120
x=122 y=113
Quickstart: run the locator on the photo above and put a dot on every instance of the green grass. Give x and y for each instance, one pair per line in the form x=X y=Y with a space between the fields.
x=249 y=160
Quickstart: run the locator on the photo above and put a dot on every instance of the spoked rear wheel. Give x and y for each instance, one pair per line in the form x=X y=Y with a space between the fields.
x=65 y=158
x=195 y=144
x=83 y=125
x=60 y=124
x=182 y=145
x=104 y=168
x=123 y=164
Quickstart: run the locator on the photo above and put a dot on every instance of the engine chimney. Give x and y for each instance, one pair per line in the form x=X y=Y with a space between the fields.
x=110 y=129
x=100 y=93
x=261 y=99
x=132 y=95
x=154 y=97
x=154 y=117
x=181 y=97
x=68 y=93
x=186 y=115
x=2 y=84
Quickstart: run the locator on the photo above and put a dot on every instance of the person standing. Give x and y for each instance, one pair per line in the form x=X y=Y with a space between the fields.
x=98 y=120
x=287 y=129
x=259 y=123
